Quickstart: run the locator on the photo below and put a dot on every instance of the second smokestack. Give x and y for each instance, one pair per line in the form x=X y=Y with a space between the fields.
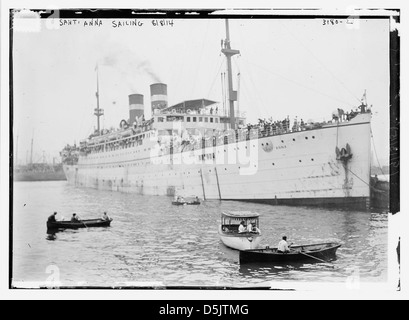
x=159 y=96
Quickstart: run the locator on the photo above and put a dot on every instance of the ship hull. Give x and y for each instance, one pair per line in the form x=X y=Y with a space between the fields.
x=355 y=203
x=297 y=168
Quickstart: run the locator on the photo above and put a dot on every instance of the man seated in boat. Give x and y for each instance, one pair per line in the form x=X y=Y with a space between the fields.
x=105 y=217
x=242 y=228
x=52 y=217
x=249 y=227
x=75 y=218
x=255 y=230
x=283 y=246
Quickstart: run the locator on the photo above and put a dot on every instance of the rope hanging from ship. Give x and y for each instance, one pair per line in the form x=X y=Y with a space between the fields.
x=372 y=187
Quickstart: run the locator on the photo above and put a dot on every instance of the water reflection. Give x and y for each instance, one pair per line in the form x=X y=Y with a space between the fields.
x=261 y=269
x=52 y=233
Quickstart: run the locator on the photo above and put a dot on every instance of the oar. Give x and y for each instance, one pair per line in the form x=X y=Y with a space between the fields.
x=85 y=225
x=326 y=262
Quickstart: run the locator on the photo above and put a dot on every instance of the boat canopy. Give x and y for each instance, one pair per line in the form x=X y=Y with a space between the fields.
x=240 y=214
x=234 y=218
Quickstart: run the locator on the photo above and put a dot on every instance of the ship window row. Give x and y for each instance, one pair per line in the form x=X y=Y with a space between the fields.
x=116 y=147
x=188 y=119
x=306 y=138
x=122 y=154
x=226 y=139
x=201 y=157
x=119 y=144
x=202 y=119
x=207 y=156
x=125 y=165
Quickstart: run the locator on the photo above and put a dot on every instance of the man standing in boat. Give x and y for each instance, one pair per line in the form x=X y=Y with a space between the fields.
x=52 y=217
x=283 y=246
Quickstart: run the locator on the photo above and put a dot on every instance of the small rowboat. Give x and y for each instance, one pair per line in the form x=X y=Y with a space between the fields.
x=182 y=203
x=89 y=223
x=320 y=252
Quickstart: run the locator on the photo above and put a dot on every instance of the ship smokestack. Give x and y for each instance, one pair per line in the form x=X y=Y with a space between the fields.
x=159 y=96
x=136 y=108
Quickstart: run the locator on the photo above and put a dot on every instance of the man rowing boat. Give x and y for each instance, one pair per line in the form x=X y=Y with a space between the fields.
x=283 y=246
x=75 y=218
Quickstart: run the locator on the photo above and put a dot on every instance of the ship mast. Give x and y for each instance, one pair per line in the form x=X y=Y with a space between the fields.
x=98 y=112
x=228 y=52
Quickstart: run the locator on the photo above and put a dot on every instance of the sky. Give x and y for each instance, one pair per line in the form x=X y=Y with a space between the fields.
x=304 y=67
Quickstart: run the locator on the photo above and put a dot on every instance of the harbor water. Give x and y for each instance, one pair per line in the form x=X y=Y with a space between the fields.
x=153 y=243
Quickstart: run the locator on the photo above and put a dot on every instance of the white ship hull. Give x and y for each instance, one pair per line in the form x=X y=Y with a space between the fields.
x=297 y=168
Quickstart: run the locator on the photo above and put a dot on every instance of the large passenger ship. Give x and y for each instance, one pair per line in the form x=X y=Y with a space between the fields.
x=195 y=148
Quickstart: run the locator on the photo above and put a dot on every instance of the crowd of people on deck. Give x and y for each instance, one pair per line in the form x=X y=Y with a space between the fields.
x=263 y=128
x=269 y=126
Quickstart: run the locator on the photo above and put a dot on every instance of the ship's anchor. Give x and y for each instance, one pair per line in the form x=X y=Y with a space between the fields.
x=344 y=154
